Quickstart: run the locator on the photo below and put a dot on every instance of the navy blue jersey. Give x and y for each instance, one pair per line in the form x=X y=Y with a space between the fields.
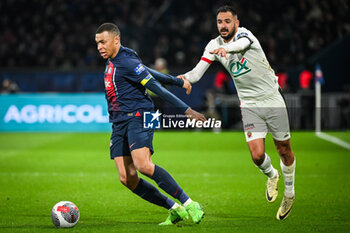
x=125 y=77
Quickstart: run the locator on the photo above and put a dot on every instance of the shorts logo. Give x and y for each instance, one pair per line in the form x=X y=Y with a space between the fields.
x=151 y=120
x=132 y=145
x=249 y=134
x=139 y=69
x=239 y=68
x=249 y=126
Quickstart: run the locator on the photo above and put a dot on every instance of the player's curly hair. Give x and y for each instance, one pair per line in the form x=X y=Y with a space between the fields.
x=109 y=27
x=227 y=8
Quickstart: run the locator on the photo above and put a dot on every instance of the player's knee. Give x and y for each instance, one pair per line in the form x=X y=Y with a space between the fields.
x=145 y=168
x=284 y=149
x=123 y=179
x=129 y=182
x=258 y=157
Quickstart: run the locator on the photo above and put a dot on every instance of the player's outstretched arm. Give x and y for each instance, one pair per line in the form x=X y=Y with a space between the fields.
x=192 y=114
x=234 y=47
x=163 y=93
x=196 y=73
x=164 y=78
x=169 y=79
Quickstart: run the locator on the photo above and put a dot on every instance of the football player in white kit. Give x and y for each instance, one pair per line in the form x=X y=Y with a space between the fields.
x=262 y=106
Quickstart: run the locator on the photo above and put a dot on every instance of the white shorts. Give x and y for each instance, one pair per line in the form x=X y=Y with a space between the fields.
x=268 y=115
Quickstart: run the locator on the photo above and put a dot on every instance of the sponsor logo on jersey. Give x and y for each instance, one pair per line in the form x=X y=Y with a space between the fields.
x=139 y=69
x=239 y=68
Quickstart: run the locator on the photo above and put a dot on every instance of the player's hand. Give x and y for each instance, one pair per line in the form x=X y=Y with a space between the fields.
x=220 y=52
x=187 y=85
x=192 y=114
x=182 y=77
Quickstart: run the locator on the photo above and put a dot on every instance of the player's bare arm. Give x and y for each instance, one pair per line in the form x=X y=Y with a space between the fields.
x=187 y=85
x=238 y=46
x=181 y=76
x=192 y=114
x=220 y=52
x=169 y=79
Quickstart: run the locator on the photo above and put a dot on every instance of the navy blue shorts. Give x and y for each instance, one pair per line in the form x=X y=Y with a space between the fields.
x=130 y=135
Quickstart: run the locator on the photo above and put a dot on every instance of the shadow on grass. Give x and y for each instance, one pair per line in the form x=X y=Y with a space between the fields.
x=83 y=224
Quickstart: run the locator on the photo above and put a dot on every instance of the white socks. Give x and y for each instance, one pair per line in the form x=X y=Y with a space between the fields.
x=267 y=168
x=288 y=175
x=175 y=206
x=186 y=203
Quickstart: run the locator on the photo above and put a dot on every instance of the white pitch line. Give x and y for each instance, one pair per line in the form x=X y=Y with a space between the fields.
x=333 y=139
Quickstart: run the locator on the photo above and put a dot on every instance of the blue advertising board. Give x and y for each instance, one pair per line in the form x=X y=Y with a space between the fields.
x=54 y=112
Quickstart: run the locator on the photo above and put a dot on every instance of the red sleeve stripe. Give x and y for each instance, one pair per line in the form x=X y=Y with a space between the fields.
x=206 y=60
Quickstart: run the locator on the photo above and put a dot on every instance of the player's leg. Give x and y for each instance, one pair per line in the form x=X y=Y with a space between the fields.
x=263 y=162
x=278 y=125
x=127 y=172
x=128 y=177
x=288 y=169
x=141 y=147
x=143 y=163
x=255 y=130
x=120 y=153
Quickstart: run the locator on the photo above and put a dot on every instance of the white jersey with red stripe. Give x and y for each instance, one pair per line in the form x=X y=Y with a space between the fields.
x=253 y=77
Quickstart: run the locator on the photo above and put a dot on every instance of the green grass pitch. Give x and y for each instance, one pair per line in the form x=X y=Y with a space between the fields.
x=39 y=169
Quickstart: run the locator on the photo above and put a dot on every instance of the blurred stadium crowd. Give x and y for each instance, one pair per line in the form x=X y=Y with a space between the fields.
x=60 y=33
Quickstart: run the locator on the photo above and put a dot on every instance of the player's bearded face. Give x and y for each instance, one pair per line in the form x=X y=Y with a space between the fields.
x=227 y=33
x=227 y=25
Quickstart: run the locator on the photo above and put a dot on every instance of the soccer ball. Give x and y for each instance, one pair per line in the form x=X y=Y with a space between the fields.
x=65 y=214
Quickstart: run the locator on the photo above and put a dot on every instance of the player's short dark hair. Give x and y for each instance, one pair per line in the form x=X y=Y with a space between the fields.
x=109 y=27
x=227 y=8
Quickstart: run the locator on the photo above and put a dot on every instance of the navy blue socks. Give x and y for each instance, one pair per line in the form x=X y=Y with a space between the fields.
x=168 y=184
x=150 y=193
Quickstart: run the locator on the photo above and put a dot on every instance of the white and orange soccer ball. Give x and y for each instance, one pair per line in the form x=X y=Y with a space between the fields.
x=65 y=214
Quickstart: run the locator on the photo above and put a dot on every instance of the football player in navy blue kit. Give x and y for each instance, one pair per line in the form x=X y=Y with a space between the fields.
x=126 y=80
